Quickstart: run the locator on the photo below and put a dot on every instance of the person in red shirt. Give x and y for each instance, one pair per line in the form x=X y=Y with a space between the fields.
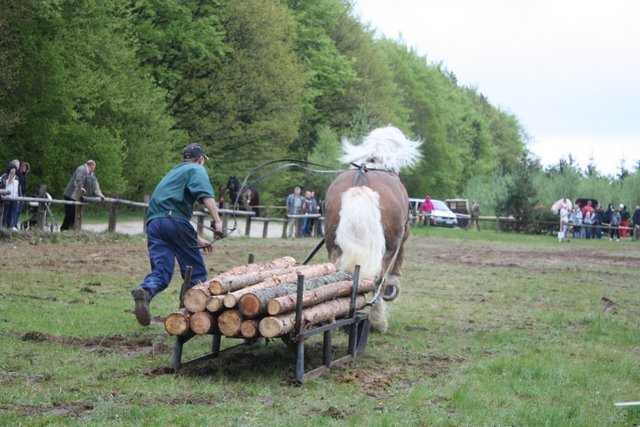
x=427 y=208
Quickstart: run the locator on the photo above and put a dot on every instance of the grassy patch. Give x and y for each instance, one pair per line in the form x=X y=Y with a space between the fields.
x=490 y=328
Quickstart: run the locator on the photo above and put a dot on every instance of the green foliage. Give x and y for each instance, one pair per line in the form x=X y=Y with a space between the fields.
x=254 y=107
x=521 y=195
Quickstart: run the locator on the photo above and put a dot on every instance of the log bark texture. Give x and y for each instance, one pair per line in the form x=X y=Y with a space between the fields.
x=231 y=299
x=177 y=323
x=327 y=311
x=254 y=303
x=254 y=273
x=287 y=303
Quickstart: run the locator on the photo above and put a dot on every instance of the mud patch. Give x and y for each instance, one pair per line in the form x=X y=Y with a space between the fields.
x=126 y=345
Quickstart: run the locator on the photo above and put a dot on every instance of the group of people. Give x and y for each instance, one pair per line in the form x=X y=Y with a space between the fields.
x=15 y=179
x=301 y=205
x=589 y=222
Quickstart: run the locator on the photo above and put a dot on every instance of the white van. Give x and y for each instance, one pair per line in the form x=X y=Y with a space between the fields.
x=441 y=214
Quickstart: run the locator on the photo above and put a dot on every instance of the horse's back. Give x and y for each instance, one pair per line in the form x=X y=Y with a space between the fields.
x=392 y=197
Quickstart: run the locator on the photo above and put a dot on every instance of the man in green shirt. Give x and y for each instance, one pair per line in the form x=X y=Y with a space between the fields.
x=170 y=235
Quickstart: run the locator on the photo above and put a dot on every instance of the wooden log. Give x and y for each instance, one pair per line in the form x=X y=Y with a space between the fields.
x=215 y=303
x=220 y=286
x=203 y=322
x=229 y=323
x=235 y=278
x=255 y=302
x=286 y=261
x=274 y=326
x=250 y=328
x=286 y=303
x=309 y=271
x=177 y=323
x=195 y=298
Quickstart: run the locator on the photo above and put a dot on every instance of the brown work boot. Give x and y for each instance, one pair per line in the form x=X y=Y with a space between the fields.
x=143 y=314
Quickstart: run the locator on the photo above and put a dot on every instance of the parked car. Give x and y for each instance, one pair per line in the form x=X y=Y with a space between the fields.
x=441 y=214
x=459 y=206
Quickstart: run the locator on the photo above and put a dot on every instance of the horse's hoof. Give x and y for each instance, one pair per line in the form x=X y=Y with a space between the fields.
x=391 y=292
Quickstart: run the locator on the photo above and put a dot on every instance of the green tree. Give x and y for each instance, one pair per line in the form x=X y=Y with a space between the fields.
x=254 y=105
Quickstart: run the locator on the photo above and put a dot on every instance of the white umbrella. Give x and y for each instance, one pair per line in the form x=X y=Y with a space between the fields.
x=560 y=204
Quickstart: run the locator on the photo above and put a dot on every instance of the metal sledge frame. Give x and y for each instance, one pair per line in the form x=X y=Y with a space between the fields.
x=357 y=324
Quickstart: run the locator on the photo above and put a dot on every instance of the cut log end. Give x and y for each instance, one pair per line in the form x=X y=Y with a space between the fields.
x=270 y=327
x=249 y=305
x=249 y=328
x=216 y=288
x=195 y=300
x=274 y=307
x=202 y=323
x=176 y=324
x=229 y=323
x=214 y=304
x=230 y=300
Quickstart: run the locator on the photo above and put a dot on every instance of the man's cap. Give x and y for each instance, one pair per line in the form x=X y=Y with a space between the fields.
x=193 y=151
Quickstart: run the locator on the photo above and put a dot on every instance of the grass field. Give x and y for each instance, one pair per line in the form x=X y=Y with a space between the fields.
x=490 y=329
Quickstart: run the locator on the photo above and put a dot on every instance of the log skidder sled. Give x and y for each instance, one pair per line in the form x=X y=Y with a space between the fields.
x=356 y=324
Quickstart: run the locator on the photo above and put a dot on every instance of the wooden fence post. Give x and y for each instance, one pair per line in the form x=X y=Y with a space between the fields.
x=200 y=227
x=42 y=211
x=78 y=222
x=247 y=228
x=265 y=228
x=113 y=212
x=146 y=214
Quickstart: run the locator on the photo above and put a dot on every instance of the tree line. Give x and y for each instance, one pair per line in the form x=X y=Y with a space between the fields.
x=128 y=83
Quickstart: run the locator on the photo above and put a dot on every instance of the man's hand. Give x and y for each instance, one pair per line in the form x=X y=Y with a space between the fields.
x=217 y=229
x=204 y=244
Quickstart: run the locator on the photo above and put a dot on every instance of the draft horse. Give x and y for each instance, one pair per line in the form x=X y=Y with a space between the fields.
x=367 y=212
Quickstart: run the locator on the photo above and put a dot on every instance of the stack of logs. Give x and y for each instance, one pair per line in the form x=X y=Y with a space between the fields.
x=256 y=300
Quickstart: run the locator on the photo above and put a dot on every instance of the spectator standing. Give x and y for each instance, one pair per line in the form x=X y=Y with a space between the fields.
x=82 y=183
x=587 y=222
x=475 y=215
x=427 y=208
x=636 y=221
x=576 y=219
x=170 y=235
x=624 y=220
x=294 y=207
x=23 y=177
x=598 y=221
x=614 y=222
x=309 y=206
x=9 y=181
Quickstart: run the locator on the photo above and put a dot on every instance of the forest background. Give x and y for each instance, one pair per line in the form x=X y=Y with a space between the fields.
x=128 y=83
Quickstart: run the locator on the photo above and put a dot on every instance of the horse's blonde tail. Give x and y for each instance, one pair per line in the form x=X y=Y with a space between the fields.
x=359 y=233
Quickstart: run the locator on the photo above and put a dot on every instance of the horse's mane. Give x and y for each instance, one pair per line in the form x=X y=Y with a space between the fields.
x=385 y=147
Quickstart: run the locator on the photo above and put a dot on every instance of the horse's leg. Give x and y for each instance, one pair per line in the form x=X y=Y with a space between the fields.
x=392 y=289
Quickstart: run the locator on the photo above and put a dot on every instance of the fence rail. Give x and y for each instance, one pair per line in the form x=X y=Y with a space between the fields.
x=228 y=215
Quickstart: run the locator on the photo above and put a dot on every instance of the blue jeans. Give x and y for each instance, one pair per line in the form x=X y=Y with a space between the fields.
x=9 y=216
x=169 y=239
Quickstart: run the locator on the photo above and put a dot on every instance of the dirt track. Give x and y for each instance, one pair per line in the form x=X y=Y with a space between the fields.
x=135 y=227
